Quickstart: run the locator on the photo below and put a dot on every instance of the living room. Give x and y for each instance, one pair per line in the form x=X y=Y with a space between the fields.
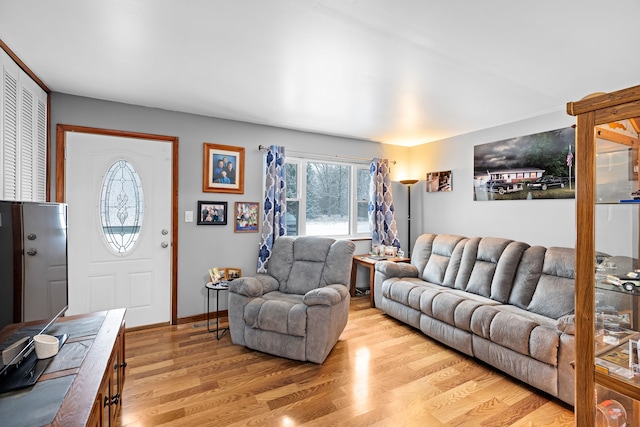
x=537 y=222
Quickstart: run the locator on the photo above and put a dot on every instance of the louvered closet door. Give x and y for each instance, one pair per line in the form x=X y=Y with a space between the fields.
x=9 y=127
x=23 y=126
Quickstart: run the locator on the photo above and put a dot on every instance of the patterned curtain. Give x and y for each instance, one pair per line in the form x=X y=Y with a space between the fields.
x=274 y=206
x=382 y=219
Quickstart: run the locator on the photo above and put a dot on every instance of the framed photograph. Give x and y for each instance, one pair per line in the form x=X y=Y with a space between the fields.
x=217 y=274
x=438 y=181
x=233 y=273
x=223 y=170
x=247 y=217
x=212 y=213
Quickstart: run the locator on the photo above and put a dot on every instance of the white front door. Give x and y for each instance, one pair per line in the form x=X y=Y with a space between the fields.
x=119 y=192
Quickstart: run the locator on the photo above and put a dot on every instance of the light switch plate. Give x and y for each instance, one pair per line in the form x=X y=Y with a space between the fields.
x=188 y=216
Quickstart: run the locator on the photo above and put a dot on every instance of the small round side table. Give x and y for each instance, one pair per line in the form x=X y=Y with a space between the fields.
x=217 y=287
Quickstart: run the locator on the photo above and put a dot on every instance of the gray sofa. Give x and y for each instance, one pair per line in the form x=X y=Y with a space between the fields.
x=299 y=308
x=504 y=302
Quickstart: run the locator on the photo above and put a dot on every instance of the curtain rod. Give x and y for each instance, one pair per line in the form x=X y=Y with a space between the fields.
x=326 y=156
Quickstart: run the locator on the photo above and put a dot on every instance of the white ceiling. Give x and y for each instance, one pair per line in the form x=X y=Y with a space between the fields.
x=404 y=72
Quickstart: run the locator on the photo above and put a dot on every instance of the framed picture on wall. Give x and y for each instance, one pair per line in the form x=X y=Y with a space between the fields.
x=438 y=181
x=247 y=217
x=212 y=213
x=223 y=169
x=233 y=273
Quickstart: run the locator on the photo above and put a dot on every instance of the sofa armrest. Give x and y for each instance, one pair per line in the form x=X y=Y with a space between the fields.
x=328 y=295
x=567 y=324
x=396 y=269
x=253 y=286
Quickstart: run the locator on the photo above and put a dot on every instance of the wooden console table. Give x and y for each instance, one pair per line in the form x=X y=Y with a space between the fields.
x=93 y=397
x=370 y=263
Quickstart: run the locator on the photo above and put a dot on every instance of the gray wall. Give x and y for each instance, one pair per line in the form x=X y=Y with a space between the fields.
x=203 y=247
x=537 y=222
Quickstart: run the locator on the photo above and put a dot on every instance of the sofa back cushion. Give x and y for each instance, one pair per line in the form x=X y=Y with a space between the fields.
x=305 y=263
x=554 y=296
x=337 y=266
x=527 y=276
x=488 y=267
x=422 y=251
x=506 y=270
x=444 y=259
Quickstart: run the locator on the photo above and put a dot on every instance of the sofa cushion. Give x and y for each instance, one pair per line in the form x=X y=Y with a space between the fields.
x=554 y=296
x=426 y=299
x=527 y=276
x=451 y=306
x=444 y=261
x=277 y=312
x=506 y=269
x=488 y=254
x=406 y=291
x=422 y=251
x=467 y=262
x=514 y=329
x=338 y=263
x=305 y=263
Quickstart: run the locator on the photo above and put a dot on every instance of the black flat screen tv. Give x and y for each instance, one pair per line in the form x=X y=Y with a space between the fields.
x=33 y=269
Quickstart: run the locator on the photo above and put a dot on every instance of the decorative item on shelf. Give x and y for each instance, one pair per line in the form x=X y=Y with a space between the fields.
x=610 y=413
x=634 y=357
x=635 y=199
x=223 y=169
x=629 y=282
x=390 y=251
x=233 y=273
x=217 y=275
x=408 y=183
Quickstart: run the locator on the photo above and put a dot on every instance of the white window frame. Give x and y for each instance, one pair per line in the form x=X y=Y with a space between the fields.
x=301 y=163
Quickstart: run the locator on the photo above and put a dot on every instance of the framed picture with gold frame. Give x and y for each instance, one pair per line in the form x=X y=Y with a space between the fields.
x=223 y=169
x=233 y=273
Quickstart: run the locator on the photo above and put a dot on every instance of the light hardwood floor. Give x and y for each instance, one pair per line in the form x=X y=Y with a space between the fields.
x=381 y=373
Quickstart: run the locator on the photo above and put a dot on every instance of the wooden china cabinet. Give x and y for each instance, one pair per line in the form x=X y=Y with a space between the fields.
x=607 y=367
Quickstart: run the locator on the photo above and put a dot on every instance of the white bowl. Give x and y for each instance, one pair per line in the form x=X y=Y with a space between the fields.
x=46 y=346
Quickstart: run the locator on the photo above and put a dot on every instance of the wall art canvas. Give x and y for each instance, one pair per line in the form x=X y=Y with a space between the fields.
x=438 y=181
x=537 y=166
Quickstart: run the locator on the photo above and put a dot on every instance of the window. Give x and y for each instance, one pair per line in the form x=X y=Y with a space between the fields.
x=121 y=207
x=327 y=198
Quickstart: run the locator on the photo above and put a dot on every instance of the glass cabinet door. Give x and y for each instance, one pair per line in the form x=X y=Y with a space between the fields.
x=617 y=273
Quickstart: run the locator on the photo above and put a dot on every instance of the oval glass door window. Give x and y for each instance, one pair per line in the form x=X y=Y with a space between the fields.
x=121 y=207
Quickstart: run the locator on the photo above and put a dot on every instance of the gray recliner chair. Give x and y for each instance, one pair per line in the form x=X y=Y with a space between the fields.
x=299 y=308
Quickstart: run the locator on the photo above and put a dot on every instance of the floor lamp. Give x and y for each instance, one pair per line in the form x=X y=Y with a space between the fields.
x=408 y=183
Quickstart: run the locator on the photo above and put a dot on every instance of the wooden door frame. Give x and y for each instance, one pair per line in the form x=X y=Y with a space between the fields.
x=61 y=148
